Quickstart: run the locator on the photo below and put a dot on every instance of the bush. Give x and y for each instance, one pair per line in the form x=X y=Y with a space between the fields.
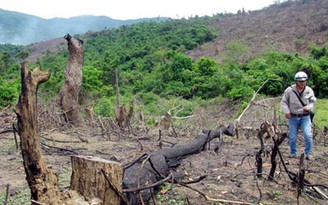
x=9 y=92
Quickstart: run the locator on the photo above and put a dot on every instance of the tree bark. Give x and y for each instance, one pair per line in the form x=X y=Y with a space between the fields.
x=89 y=181
x=155 y=166
x=69 y=93
x=42 y=181
x=274 y=153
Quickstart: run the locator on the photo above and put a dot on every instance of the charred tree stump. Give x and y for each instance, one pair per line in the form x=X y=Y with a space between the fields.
x=42 y=181
x=122 y=117
x=141 y=177
x=274 y=153
x=258 y=157
x=89 y=181
x=69 y=93
x=301 y=175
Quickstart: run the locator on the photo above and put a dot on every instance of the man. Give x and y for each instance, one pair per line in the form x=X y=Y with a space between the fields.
x=297 y=113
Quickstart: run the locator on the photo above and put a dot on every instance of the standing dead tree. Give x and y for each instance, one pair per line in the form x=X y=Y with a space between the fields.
x=122 y=116
x=298 y=179
x=42 y=181
x=275 y=134
x=69 y=92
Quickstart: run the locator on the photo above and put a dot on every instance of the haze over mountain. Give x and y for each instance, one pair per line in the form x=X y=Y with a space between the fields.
x=22 y=29
x=291 y=26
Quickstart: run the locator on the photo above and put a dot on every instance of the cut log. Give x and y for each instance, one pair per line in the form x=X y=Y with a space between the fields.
x=89 y=181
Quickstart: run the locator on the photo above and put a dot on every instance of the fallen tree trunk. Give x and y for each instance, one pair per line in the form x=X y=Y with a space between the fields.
x=157 y=166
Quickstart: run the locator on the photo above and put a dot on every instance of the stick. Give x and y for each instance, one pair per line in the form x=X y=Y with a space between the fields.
x=126 y=201
x=226 y=201
x=251 y=102
x=7 y=193
x=148 y=186
x=36 y=202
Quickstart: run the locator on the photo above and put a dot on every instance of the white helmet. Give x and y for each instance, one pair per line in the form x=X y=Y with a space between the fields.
x=301 y=76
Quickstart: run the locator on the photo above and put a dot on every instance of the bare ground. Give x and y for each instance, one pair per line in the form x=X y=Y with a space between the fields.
x=230 y=170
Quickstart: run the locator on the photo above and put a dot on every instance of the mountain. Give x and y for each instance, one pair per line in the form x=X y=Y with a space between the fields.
x=291 y=26
x=22 y=29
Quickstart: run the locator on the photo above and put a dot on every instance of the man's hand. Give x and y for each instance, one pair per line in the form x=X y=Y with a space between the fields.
x=288 y=115
x=306 y=108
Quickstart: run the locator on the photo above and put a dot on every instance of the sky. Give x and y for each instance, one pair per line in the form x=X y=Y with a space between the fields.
x=131 y=9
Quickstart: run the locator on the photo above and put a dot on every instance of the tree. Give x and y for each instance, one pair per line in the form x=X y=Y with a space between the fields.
x=6 y=60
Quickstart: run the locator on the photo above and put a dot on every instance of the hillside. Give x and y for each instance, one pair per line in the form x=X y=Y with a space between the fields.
x=174 y=100
x=287 y=27
x=22 y=29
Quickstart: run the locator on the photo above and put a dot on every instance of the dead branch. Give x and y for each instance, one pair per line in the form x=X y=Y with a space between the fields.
x=257 y=186
x=7 y=194
x=59 y=141
x=301 y=174
x=264 y=129
x=121 y=195
x=104 y=130
x=148 y=186
x=277 y=142
x=251 y=102
x=6 y=131
x=47 y=148
x=153 y=167
x=320 y=192
x=34 y=202
x=208 y=198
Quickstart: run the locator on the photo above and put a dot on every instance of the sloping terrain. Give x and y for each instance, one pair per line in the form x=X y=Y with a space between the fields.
x=288 y=27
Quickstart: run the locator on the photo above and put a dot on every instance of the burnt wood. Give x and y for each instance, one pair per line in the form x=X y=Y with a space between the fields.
x=158 y=165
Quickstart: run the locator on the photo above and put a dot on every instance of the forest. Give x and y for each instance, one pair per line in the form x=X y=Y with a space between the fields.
x=152 y=65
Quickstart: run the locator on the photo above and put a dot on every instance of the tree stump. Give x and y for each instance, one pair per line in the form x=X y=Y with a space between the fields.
x=69 y=92
x=89 y=181
x=42 y=181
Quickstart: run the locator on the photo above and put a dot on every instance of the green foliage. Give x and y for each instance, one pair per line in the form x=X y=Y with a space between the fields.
x=151 y=102
x=9 y=92
x=150 y=61
x=321 y=113
x=91 y=79
x=236 y=52
x=9 y=48
x=169 y=198
x=23 y=55
x=104 y=107
x=21 y=197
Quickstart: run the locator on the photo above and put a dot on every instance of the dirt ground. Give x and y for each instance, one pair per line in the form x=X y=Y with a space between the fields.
x=230 y=170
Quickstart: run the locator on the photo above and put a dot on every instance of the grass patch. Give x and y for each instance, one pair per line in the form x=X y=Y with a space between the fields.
x=321 y=113
x=21 y=197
